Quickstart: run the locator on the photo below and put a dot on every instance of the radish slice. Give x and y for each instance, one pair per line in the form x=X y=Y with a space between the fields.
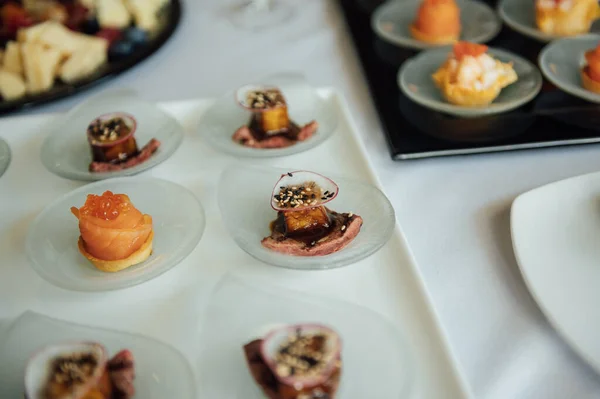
x=245 y=96
x=40 y=368
x=279 y=344
x=301 y=189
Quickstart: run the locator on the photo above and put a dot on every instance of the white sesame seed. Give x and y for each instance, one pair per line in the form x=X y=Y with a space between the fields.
x=343 y=227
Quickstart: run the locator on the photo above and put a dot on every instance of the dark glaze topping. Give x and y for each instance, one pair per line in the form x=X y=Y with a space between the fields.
x=309 y=236
x=108 y=130
x=73 y=369
x=265 y=99
x=259 y=133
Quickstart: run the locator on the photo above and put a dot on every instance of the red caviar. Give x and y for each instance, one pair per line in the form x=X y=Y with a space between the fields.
x=107 y=206
x=593 y=59
x=462 y=49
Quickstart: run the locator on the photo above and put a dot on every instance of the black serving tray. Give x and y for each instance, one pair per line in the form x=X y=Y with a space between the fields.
x=170 y=18
x=553 y=118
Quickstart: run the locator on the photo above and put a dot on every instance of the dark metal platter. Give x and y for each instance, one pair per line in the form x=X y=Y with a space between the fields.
x=169 y=20
x=553 y=118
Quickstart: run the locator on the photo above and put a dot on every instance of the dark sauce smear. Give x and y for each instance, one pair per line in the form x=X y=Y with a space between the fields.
x=259 y=134
x=312 y=235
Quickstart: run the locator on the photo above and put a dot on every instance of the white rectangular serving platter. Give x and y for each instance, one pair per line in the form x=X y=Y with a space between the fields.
x=171 y=307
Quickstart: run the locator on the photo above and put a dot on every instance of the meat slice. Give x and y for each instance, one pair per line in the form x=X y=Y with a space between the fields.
x=245 y=137
x=122 y=373
x=143 y=156
x=344 y=229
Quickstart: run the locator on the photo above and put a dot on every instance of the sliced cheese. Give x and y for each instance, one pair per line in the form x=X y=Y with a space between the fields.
x=12 y=86
x=40 y=65
x=84 y=62
x=145 y=12
x=12 y=58
x=56 y=36
x=112 y=14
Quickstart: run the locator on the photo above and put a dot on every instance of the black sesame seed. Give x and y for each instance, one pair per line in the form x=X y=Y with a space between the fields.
x=326 y=192
x=290 y=175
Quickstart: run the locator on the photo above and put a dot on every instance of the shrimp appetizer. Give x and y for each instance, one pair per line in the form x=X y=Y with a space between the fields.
x=472 y=78
x=565 y=17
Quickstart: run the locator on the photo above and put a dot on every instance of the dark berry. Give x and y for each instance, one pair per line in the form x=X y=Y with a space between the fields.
x=136 y=36
x=120 y=49
x=90 y=26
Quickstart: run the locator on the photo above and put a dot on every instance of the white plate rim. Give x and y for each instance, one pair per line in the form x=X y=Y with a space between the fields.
x=531 y=286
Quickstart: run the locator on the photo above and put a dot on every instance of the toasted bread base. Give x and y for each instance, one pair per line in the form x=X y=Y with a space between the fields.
x=112 y=266
x=467 y=97
x=423 y=37
x=575 y=21
x=589 y=83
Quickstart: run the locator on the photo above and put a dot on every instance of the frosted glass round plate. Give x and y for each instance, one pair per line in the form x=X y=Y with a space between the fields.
x=555 y=231
x=391 y=21
x=161 y=371
x=225 y=116
x=178 y=223
x=66 y=151
x=519 y=15
x=414 y=78
x=376 y=359
x=562 y=60
x=244 y=195
x=4 y=156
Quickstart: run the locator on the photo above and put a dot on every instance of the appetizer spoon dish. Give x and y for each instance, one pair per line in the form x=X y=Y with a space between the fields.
x=232 y=111
x=52 y=239
x=248 y=216
x=561 y=63
x=160 y=370
x=415 y=81
x=5 y=156
x=67 y=151
x=376 y=361
x=392 y=20
x=519 y=15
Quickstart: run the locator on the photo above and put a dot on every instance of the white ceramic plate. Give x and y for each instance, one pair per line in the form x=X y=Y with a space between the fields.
x=66 y=151
x=414 y=78
x=161 y=371
x=391 y=22
x=244 y=194
x=562 y=60
x=556 y=235
x=225 y=116
x=376 y=359
x=178 y=223
x=4 y=156
x=519 y=15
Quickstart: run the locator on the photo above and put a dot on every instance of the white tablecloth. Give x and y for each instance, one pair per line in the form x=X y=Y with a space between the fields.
x=454 y=211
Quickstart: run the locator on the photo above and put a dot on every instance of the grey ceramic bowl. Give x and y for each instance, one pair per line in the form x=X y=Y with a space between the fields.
x=414 y=79
x=561 y=62
x=4 y=156
x=391 y=22
x=519 y=15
